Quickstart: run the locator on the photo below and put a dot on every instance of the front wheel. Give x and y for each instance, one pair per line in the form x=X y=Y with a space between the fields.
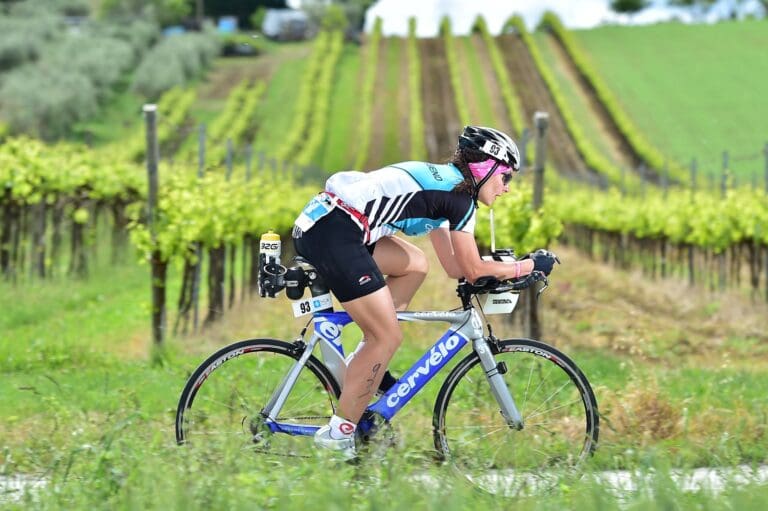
x=222 y=401
x=555 y=400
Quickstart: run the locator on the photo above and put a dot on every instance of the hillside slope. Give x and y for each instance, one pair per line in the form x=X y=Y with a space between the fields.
x=694 y=90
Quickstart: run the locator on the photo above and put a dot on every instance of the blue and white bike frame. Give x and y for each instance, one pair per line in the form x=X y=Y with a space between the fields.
x=465 y=327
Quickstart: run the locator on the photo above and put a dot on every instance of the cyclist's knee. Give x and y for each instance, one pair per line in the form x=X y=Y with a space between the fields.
x=390 y=341
x=419 y=263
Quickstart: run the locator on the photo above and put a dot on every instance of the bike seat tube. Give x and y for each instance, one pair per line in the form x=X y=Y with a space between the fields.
x=318 y=287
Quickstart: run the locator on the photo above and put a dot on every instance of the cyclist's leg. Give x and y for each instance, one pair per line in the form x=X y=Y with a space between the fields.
x=405 y=266
x=375 y=315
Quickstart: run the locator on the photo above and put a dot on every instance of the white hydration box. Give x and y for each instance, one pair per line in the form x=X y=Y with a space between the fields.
x=501 y=303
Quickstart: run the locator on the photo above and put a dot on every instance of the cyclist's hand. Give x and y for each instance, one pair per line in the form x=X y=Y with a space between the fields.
x=543 y=260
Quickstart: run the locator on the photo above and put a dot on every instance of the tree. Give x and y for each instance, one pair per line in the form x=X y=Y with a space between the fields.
x=242 y=9
x=334 y=18
x=166 y=12
x=629 y=7
x=354 y=10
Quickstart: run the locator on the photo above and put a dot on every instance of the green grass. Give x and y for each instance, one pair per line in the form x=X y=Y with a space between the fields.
x=396 y=84
x=338 y=150
x=477 y=84
x=581 y=110
x=73 y=323
x=275 y=110
x=100 y=428
x=690 y=88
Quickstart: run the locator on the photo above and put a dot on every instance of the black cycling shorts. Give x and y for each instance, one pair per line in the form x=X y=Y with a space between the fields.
x=335 y=246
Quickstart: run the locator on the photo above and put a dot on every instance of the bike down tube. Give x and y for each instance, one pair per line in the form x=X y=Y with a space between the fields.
x=419 y=374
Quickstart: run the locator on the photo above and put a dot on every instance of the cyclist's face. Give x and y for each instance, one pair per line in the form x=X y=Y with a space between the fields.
x=494 y=187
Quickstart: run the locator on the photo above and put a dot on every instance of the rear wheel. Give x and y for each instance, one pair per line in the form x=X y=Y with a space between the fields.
x=556 y=402
x=222 y=402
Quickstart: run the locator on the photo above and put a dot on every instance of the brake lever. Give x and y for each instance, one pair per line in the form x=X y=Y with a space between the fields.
x=541 y=278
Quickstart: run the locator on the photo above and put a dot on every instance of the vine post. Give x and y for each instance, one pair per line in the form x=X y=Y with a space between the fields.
x=691 y=257
x=765 y=152
x=232 y=249
x=723 y=192
x=540 y=122
x=247 y=238
x=198 y=248
x=157 y=263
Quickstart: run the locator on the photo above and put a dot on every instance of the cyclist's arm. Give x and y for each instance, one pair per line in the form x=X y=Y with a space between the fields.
x=441 y=240
x=459 y=256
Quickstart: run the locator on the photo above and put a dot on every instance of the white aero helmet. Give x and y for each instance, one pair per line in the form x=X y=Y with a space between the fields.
x=494 y=143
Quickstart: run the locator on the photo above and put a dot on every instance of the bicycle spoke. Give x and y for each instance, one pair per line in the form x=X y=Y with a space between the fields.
x=227 y=406
x=553 y=406
x=571 y=403
x=533 y=414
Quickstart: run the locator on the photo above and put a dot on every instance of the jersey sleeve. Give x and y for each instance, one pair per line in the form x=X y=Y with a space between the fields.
x=460 y=212
x=469 y=226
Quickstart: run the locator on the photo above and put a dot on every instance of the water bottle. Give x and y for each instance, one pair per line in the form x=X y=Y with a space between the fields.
x=270 y=247
x=269 y=264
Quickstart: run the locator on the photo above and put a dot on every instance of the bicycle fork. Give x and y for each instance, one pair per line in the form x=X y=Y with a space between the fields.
x=499 y=389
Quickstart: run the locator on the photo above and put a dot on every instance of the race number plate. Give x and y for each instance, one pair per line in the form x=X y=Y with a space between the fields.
x=310 y=305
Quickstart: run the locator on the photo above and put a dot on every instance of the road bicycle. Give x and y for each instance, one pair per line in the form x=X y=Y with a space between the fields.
x=512 y=406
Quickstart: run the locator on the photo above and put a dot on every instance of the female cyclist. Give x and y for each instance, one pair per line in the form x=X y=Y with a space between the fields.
x=347 y=233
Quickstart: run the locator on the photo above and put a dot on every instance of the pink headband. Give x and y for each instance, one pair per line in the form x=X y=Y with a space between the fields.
x=480 y=169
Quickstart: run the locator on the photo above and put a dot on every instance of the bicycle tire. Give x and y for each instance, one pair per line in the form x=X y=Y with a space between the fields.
x=222 y=400
x=559 y=410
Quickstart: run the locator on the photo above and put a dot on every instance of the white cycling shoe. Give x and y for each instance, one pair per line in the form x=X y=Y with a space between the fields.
x=344 y=446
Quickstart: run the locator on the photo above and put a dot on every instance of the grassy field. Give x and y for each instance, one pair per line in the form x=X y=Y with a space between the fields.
x=680 y=375
x=85 y=407
x=277 y=105
x=478 y=79
x=692 y=89
x=393 y=111
x=579 y=106
x=336 y=152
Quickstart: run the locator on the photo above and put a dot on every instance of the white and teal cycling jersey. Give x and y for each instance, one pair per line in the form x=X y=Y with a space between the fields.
x=413 y=197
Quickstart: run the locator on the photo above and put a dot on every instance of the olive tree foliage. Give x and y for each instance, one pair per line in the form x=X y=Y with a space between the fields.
x=33 y=8
x=174 y=61
x=59 y=66
x=22 y=38
x=45 y=102
x=66 y=84
x=165 y=12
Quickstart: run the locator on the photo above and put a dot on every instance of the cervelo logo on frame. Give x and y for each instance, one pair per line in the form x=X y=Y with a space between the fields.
x=330 y=332
x=436 y=355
